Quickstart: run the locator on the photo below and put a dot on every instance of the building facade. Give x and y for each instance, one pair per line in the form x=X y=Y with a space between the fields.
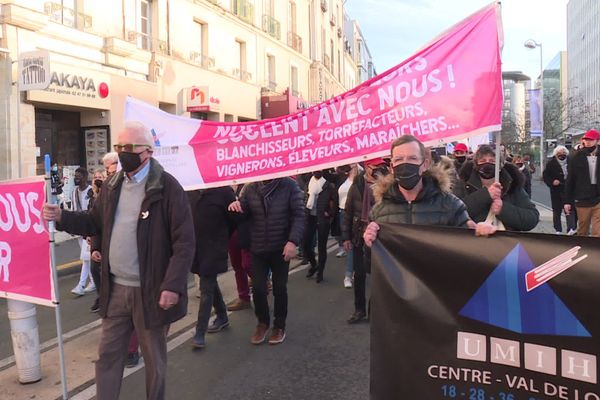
x=359 y=51
x=556 y=99
x=583 y=49
x=515 y=110
x=221 y=60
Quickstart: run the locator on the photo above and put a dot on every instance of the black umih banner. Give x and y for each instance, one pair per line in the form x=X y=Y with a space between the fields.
x=510 y=317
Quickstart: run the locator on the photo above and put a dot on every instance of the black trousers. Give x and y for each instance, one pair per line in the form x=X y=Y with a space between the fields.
x=321 y=228
x=361 y=262
x=556 y=198
x=210 y=296
x=261 y=265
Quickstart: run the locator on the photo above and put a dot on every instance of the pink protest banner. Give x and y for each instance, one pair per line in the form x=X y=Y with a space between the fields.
x=25 y=272
x=449 y=90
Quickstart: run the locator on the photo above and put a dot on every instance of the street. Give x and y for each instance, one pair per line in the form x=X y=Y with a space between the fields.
x=322 y=357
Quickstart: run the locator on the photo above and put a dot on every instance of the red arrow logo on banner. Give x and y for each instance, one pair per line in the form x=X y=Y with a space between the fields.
x=559 y=264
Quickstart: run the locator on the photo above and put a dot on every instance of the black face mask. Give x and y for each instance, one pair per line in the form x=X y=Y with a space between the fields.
x=77 y=181
x=486 y=170
x=130 y=161
x=519 y=165
x=98 y=183
x=561 y=157
x=318 y=175
x=589 y=150
x=407 y=175
x=460 y=159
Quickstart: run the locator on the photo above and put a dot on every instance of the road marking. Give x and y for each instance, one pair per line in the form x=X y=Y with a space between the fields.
x=68 y=265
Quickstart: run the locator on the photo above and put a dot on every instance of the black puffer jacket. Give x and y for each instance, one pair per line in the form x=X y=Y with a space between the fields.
x=518 y=212
x=579 y=190
x=274 y=220
x=327 y=203
x=212 y=225
x=435 y=204
x=352 y=226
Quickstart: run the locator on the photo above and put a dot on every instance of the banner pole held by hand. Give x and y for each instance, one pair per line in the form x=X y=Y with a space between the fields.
x=52 y=182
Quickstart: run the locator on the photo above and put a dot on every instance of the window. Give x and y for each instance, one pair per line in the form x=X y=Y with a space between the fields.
x=272 y=83
x=332 y=57
x=293 y=26
x=63 y=12
x=199 y=45
x=269 y=7
x=241 y=60
x=144 y=24
x=294 y=81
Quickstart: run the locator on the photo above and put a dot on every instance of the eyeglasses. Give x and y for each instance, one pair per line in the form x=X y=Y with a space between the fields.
x=129 y=147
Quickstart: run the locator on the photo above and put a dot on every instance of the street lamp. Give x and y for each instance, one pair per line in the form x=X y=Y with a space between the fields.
x=532 y=44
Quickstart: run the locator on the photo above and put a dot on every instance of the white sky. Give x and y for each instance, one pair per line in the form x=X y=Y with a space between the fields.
x=395 y=29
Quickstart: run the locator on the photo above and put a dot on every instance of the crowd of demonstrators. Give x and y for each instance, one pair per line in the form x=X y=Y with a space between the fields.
x=144 y=221
x=212 y=227
x=81 y=201
x=582 y=190
x=241 y=260
x=555 y=176
x=358 y=204
x=275 y=211
x=486 y=199
x=321 y=208
x=147 y=234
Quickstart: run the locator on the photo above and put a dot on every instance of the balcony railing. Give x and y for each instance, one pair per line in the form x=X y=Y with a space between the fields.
x=202 y=60
x=243 y=9
x=146 y=42
x=326 y=61
x=323 y=5
x=271 y=26
x=242 y=75
x=295 y=41
x=67 y=16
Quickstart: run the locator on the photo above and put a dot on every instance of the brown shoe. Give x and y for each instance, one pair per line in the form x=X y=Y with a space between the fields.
x=239 y=304
x=260 y=334
x=277 y=336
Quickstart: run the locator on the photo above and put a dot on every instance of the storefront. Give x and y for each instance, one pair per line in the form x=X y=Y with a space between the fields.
x=72 y=118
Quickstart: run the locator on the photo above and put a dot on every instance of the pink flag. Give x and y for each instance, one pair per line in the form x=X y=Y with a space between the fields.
x=449 y=90
x=24 y=255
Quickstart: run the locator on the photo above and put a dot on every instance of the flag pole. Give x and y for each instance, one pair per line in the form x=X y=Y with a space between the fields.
x=51 y=191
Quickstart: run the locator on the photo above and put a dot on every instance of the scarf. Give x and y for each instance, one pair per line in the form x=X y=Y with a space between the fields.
x=563 y=165
x=315 y=186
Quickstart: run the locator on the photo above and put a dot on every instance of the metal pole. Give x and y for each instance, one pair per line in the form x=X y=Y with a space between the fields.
x=51 y=199
x=542 y=152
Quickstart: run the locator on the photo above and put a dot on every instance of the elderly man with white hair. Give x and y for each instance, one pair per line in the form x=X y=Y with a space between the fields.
x=144 y=220
x=555 y=176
